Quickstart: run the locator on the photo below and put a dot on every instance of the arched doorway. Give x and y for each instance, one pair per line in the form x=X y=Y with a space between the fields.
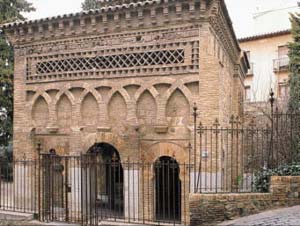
x=109 y=180
x=167 y=189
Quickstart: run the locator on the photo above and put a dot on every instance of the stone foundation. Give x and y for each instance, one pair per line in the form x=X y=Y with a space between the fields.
x=211 y=208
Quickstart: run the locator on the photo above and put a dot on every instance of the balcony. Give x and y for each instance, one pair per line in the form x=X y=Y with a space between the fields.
x=281 y=64
x=250 y=70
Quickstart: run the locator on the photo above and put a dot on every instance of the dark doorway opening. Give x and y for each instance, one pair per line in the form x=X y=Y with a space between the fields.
x=167 y=190
x=109 y=181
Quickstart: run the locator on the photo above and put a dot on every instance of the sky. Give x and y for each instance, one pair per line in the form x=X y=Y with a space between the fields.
x=249 y=17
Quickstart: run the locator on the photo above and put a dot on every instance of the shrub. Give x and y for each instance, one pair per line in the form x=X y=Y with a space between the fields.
x=6 y=167
x=262 y=179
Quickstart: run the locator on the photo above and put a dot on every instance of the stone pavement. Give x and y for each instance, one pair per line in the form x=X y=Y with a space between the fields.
x=280 y=217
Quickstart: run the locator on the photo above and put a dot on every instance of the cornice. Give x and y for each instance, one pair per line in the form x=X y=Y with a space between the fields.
x=111 y=8
x=126 y=17
x=107 y=3
x=222 y=26
x=158 y=35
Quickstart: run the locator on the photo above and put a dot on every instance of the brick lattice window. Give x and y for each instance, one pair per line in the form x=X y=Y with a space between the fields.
x=129 y=61
x=164 y=57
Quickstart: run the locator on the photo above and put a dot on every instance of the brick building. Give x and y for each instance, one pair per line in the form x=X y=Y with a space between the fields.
x=124 y=79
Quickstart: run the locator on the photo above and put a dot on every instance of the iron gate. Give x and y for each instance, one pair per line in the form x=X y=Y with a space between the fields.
x=84 y=189
x=54 y=188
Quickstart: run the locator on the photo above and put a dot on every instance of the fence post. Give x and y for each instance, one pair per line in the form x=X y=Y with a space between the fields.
x=143 y=188
x=81 y=188
x=195 y=115
x=276 y=115
x=199 y=179
x=66 y=188
x=272 y=100
x=189 y=149
x=216 y=132
x=39 y=179
x=237 y=179
x=232 y=176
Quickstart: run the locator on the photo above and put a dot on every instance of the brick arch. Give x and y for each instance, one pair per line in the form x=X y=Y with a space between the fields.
x=91 y=91
x=178 y=107
x=121 y=91
x=66 y=92
x=186 y=92
x=143 y=89
x=76 y=84
x=63 y=112
x=45 y=117
x=51 y=89
x=166 y=80
x=190 y=79
x=114 y=105
x=133 y=83
x=38 y=94
x=89 y=108
x=170 y=149
x=146 y=108
x=109 y=138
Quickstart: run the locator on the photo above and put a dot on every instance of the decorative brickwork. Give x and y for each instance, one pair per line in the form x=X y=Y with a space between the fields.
x=126 y=75
x=111 y=61
x=74 y=101
x=98 y=63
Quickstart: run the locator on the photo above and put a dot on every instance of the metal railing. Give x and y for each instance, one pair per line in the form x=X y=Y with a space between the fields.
x=87 y=190
x=18 y=187
x=231 y=156
x=90 y=189
x=281 y=64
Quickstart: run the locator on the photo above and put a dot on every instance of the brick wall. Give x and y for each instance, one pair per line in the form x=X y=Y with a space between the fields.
x=211 y=208
x=72 y=108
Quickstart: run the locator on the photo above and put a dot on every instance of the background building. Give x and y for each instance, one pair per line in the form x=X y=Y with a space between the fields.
x=267 y=50
x=268 y=57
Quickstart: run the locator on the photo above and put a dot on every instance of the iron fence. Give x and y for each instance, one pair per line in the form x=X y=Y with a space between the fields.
x=89 y=189
x=228 y=158
x=18 y=185
x=285 y=141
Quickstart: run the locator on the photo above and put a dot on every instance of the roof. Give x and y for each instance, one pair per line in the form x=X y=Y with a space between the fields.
x=105 y=3
x=89 y=12
x=128 y=5
x=266 y=35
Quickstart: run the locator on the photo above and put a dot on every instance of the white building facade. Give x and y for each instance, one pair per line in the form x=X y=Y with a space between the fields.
x=267 y=49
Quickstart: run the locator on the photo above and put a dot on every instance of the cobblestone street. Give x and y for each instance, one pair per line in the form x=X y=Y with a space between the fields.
x=285 y=216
